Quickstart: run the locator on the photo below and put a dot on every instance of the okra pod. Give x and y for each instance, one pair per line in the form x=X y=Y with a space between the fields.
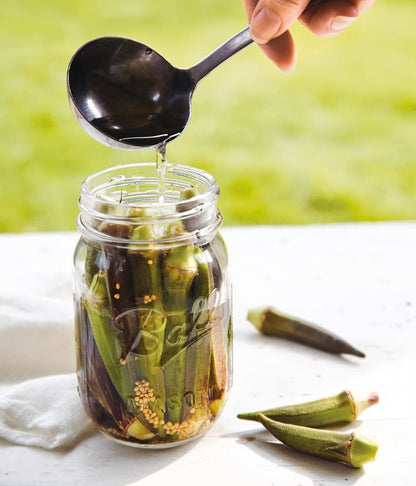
x=349 y=448
x=148 y=346
x=179 y=270
x=146 y=269
x=274 y=323
x=205 y=373
x=118 y=274
x=110 y=351
x=198 y=350
x=93 y=253
x=344 y=407
x=220 y=328
x=103 y=398
x=106 y=336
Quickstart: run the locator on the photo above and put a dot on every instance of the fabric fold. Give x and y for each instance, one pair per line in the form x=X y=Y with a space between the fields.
x=39 y=403
x=44 y=412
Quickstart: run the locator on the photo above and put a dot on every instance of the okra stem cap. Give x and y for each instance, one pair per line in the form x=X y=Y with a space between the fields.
x=363 y=450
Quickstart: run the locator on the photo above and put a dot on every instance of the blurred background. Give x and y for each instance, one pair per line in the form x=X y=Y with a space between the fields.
x=334 y=140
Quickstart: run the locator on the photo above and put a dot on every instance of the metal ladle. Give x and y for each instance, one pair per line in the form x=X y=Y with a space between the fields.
x=126 y=95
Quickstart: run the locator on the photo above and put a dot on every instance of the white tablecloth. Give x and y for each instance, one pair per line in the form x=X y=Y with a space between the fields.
x=359 y=280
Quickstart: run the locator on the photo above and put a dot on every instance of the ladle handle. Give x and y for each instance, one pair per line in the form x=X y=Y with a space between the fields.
x=225 y=51
x=221 y=54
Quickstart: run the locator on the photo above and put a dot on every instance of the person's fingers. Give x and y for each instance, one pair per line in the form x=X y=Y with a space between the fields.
x=270 y=18
x=281 y=51
x=327 y=19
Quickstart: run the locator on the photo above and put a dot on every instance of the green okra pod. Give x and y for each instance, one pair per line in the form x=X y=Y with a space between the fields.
x=194 y=220
x=349 y=448
x=179 y=270
x=148 y=346
x=93 y=253
x=220 y=328
x=146 y=268
x=145 y=367
x=105 y=335
x=341 y=408
x=198 y=352
x=96 y=387
x=271 y=322
x=200 y=362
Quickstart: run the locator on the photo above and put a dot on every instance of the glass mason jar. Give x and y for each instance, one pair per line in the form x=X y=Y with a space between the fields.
x=152 y=304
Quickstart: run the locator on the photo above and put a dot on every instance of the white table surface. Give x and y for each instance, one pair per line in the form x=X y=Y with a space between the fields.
x=359 y=280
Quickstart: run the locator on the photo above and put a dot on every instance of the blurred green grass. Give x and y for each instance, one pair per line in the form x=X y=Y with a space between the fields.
x=332 y=141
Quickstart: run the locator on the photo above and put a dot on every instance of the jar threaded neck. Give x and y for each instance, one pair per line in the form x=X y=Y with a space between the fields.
x=128 y=196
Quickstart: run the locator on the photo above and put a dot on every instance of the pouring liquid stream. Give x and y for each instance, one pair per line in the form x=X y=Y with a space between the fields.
x=161 y=171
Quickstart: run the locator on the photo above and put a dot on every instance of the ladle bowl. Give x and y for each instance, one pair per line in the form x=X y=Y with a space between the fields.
x=126 y=95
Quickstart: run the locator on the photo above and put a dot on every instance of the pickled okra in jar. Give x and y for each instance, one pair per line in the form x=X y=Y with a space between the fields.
x=152 y=305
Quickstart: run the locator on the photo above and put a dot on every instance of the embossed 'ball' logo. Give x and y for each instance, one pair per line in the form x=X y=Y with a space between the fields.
x=147 y=329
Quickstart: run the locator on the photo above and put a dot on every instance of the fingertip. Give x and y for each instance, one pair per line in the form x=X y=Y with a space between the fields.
x=329 y=19
x=288 y=64
x=340 y=22
x=264 y=25
x=281 y=51
x=288 y=68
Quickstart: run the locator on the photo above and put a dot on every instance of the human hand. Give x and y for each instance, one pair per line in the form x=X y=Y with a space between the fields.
x=270 y=21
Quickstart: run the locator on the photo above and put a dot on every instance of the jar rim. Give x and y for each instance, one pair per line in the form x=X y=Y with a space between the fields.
x=192 y=173
x=100 y=200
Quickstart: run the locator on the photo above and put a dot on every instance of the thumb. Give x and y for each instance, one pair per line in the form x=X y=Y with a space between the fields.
x=270 y=18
